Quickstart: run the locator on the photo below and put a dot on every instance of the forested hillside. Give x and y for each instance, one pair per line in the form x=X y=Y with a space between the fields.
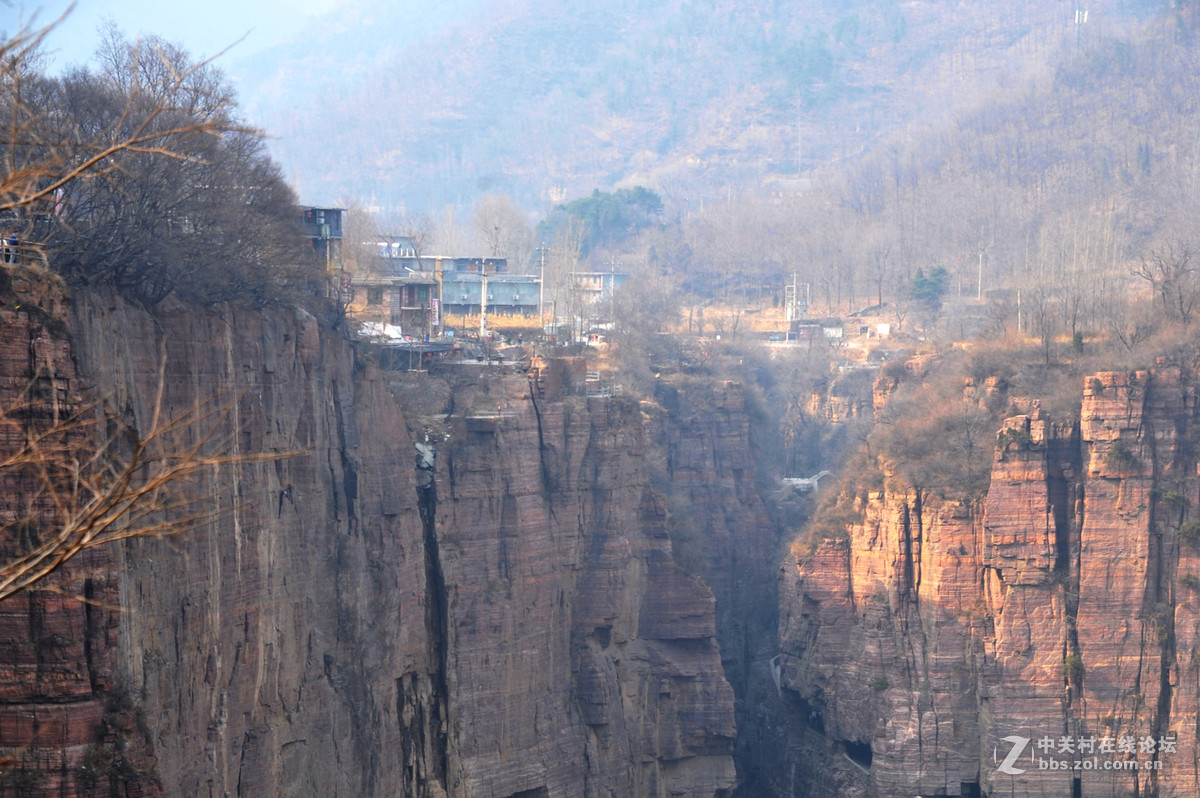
x=1060 y=186
x=698 y=100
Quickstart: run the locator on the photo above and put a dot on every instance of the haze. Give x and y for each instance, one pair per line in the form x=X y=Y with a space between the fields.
x=204 y=29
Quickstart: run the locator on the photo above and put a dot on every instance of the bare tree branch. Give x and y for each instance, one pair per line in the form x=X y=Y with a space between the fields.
x=40 y=161
x=83 y=479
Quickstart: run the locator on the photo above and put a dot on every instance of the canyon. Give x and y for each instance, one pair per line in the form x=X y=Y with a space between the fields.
x=480 y=581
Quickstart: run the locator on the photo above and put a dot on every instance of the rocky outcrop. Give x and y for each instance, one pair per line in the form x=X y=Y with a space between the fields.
x=1056 y=616
x=496 y=612
x=558 y=570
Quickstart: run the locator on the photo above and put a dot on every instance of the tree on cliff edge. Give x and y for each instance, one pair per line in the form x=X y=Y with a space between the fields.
x=40 y=158
x=139 y=174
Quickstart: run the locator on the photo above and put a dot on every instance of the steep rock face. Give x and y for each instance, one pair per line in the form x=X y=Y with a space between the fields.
x=705 y=434
x=558 y=571
x=937 y=638
x=499 y=617
x=889 y=661
x=269 y=651
x=66 y=729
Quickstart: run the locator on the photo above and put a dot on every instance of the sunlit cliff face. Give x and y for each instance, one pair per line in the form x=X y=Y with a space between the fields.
x=940 y=632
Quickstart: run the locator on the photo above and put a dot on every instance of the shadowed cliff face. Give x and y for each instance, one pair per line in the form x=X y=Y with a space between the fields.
x=706 y=435
x=501 y=616
x=1056 y=610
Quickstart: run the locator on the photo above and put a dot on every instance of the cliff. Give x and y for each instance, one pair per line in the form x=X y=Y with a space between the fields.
x=1055 y=616
x=497 y=612
x=66 y=724
x=482 y=582
x=707 y=431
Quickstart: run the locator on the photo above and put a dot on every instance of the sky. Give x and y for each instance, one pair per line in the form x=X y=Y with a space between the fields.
x=202 y=28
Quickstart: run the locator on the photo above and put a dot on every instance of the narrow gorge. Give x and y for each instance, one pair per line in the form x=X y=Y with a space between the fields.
x=481 y=581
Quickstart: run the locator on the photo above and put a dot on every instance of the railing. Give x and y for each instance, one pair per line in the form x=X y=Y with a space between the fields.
x=593 y=387
x=806 y=483
x=20 y=253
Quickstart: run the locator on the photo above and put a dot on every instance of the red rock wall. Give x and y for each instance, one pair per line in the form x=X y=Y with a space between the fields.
x=517 y=627
x=66 y=727
x=1057 y=609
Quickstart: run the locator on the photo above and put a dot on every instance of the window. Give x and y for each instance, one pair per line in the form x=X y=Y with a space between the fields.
x=374 y=296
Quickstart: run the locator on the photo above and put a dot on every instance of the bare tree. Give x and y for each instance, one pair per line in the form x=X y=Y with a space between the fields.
x=360 y=238
x=418 y=229
x=503 y=226
x=1131 y=321
x=449 y=235
x=1043 y=317
x=42 y=156
x=879 y=264
x=1173 y=277
x=561 y=275
x=212 y=219
x=77 y=478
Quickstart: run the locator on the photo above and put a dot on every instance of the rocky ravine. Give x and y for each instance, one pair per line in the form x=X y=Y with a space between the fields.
x=1062 y=608
x=470 y=585
x=505 y=619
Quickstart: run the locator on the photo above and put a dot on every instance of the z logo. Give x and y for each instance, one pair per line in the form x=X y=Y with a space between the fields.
x=1018 y=747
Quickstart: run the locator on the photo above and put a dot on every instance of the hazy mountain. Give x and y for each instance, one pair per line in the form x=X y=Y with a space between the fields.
x=698 y=100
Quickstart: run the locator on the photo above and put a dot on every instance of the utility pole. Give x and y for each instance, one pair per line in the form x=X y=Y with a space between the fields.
x=790 y=300
x=979 y=283
x=439 y=278
x=542 y=290
x=483 y=302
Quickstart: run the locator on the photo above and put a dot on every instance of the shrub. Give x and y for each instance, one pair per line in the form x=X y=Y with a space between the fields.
x=1190 y=581
x=1121 y=458
x=880 y=683
x=1073 y=669
x=1189 y=533
x=1018 y=437
x=935 y=439
x=1172 y=498
x=894 y=370
x=99 y=763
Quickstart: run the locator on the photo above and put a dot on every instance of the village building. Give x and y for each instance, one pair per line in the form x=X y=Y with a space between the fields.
x=323 y=227
x=401 y=289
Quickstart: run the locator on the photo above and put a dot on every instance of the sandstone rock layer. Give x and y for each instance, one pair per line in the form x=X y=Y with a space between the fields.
x=1057 y=615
